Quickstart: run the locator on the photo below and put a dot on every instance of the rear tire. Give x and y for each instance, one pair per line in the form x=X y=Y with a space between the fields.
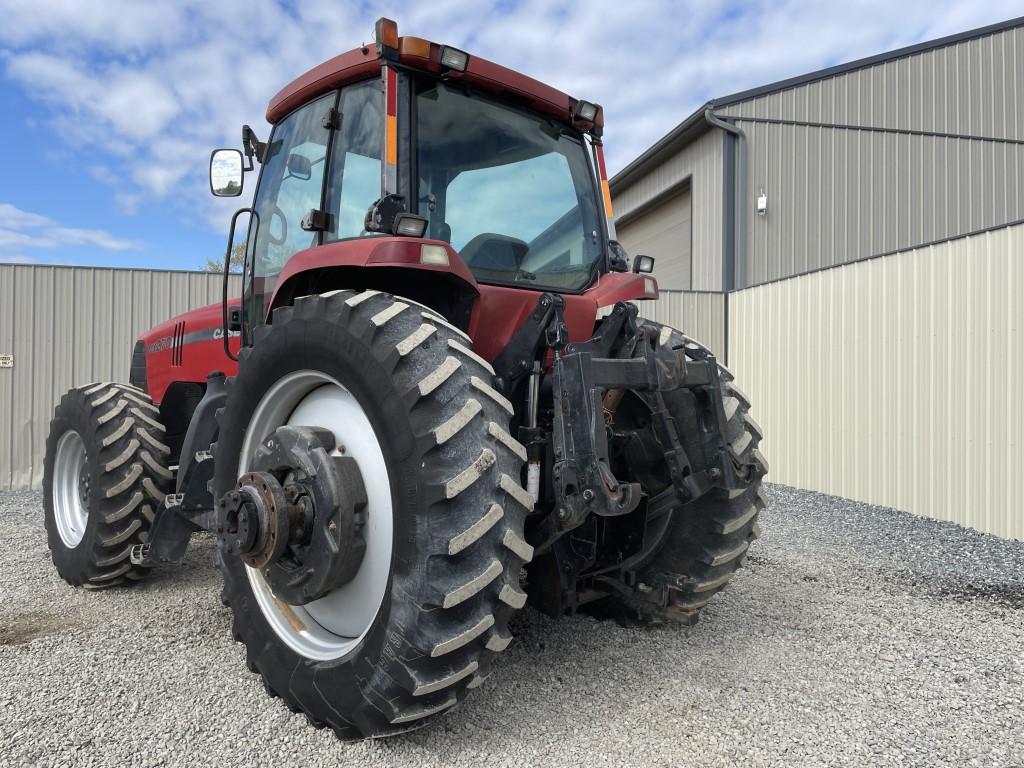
x=708 y=538
x=456 y=504
x=104 y=474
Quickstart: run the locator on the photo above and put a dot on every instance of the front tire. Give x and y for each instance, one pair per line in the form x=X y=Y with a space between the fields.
x=441 y=453
x=104 y=474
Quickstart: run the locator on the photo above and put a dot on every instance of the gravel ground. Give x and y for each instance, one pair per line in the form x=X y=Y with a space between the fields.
x=855 y=636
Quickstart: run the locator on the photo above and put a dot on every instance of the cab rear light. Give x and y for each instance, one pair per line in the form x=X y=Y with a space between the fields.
x=650 y=287
x=402 y=251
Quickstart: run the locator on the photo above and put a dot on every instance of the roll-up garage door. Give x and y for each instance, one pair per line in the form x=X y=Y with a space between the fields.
x=664 y=233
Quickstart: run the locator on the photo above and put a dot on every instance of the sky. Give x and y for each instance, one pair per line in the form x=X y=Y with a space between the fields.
x=110 y=109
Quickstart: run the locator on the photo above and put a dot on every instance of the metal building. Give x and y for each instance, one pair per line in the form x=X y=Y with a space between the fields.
x=851 y=242
x=858 y=160
x=62 y=327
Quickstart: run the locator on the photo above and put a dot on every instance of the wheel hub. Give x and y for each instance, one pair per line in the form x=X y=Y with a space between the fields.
x=70 y=488
x=83 y=489
x=256 y=519
x=297 y=515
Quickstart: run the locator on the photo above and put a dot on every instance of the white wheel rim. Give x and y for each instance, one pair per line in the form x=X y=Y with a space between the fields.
x=333 y=625
x=70 y=489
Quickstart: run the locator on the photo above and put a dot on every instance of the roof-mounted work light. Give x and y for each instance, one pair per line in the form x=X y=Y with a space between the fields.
x=409 y=225
x=643 y=264
x=454 y=59
x=585 y=112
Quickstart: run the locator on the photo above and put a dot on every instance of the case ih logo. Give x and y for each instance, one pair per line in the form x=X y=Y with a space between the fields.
x=160 y=345
x=180 y=338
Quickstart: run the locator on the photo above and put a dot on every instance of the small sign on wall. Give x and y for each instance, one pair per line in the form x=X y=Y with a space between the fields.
x=6 y=361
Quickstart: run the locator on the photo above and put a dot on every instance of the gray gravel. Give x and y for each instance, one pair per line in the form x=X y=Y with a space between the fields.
x=855 y=636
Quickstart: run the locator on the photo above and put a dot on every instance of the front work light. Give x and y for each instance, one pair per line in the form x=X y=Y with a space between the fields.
x=409 y=225
x=453 y=58
x=585 y=111
x=643 y=264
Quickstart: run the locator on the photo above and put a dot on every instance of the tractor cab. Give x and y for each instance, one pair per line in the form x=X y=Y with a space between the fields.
x=415 y=139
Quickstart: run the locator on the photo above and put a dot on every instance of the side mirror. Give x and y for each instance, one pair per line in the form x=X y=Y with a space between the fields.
x=380 y=217
x=643 y=264
x=226 y=172
x=300 y=167
x=618 y=260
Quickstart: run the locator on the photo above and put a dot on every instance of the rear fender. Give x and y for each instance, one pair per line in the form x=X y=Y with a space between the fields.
x=502 y=310
x=390 y=264
x=614 y=287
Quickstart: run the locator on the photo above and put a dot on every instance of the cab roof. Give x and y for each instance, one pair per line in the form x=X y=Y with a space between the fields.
x=425 y=56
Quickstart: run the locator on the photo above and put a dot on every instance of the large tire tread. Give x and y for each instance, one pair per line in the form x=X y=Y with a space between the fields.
x=129 y=477
x=710 y=537
x=471 y=537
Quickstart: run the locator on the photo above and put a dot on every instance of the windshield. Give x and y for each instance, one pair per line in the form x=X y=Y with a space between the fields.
x=512 y=191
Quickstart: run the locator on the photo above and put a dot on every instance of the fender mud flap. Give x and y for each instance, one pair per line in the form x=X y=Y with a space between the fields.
x=191 y=507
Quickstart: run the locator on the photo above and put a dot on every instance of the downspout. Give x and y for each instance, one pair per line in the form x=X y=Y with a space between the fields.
x=734 y=176
x=715 y=120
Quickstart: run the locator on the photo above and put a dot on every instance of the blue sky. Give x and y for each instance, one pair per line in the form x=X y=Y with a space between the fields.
x=110 y=109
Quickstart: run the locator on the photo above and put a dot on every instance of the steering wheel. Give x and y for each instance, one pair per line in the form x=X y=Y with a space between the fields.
x=277 y=213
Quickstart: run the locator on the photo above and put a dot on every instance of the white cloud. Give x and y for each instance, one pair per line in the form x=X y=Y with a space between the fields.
x=103 y=174
x=127 y=203
x=126 y=104
x=117 y=25
x=156 y=86
x=24 y=231
x=15 y=218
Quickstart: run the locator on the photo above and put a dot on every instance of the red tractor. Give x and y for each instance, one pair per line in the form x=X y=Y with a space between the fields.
x=433 y=403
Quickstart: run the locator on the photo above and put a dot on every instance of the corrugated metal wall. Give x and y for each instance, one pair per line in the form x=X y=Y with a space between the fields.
x=701 y=163
x=897 y=381
x=701 y=316
x=838 y=195
x=68 y=326
x=972 y=87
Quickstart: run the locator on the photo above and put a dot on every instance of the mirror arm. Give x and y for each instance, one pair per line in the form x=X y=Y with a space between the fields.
x=253 y=146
